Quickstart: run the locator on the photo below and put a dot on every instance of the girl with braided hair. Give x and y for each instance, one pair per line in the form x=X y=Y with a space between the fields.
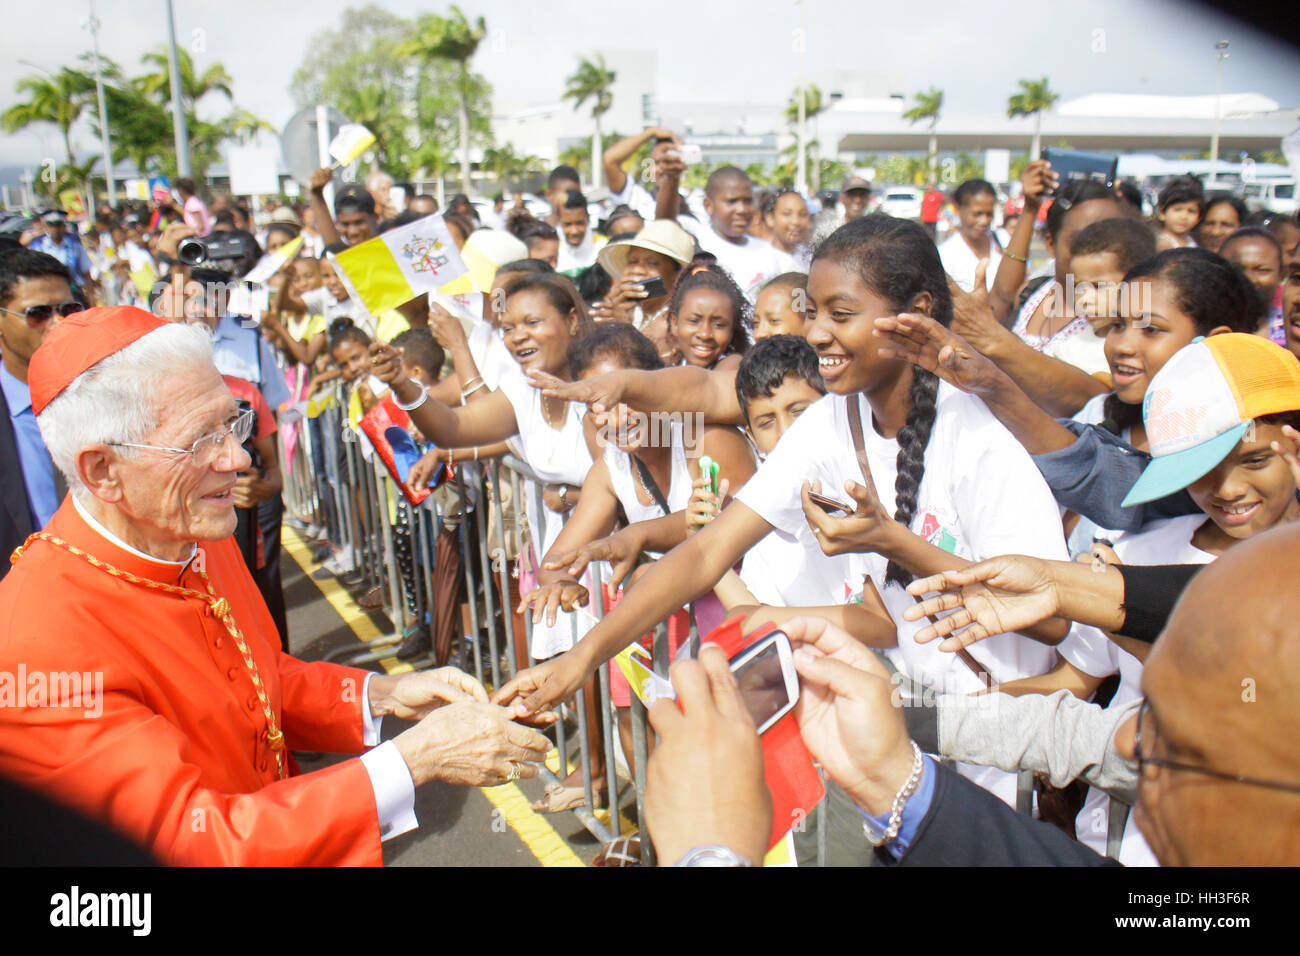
x=941 y=483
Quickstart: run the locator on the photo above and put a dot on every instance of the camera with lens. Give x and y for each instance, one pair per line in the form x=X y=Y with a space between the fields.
x=214 y=249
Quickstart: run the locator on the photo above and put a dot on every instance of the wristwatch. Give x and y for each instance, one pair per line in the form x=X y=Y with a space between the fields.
x=564 y=496
x=712 y=856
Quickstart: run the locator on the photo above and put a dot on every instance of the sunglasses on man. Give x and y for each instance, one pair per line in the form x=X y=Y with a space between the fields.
x=37 y=315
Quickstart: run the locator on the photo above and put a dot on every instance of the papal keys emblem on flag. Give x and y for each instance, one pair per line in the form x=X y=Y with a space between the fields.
x=424 y=254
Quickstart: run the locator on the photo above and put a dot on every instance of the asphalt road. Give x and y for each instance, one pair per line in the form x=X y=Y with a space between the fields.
x=459 y=826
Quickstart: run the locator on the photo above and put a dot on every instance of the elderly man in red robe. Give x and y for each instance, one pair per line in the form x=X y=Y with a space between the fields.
x=141 y=677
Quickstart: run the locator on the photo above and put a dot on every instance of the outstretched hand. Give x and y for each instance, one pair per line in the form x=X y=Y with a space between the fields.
x=620 y=550
x=1003 y=594
x=600 y=393
x=972 y=312
x=922 y=341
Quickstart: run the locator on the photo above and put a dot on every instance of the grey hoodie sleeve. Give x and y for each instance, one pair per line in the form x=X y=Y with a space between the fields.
x=1058 y=734
x=1092 y=476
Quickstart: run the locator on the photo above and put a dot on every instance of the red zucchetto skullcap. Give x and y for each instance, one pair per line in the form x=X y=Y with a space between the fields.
x=81 y=341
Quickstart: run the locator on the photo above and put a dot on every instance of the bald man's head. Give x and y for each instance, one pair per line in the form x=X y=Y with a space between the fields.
x=1223 y=688
x=729 y=201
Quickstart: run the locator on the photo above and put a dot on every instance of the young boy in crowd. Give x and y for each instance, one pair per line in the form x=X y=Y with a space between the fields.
x=332 y=300
x=1101 y=255
x=542 y=240
x=580 y=245
x=1179 y=208
x=777 y=310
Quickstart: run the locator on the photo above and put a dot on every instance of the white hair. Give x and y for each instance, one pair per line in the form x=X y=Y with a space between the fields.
x=115 y=399
x=379 y=179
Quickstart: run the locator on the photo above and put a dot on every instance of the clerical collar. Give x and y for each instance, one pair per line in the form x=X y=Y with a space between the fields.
x=114 y=539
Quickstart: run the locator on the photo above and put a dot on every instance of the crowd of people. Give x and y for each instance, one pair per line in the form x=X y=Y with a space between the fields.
x=948 y=473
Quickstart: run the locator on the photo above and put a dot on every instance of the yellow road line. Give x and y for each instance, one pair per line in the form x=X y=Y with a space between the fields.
x=338 y=597
x=532 y=828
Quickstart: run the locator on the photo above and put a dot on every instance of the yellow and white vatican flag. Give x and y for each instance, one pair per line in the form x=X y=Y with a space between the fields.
x=400 y=264
x=352 y=140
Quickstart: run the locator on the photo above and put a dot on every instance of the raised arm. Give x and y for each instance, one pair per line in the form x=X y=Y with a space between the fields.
x=622 y=151
x=924 y=342
x=1056 y=386
x=1036 y=180
x=324 y=218
x=481 y=423
x=684 y=389
x=450 y=334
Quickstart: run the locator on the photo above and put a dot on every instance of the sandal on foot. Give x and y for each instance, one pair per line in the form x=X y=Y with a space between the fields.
x=625 y=851
x=563 y=798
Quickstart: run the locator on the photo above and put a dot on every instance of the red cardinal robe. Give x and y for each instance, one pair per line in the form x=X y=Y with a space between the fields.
x=174 y=753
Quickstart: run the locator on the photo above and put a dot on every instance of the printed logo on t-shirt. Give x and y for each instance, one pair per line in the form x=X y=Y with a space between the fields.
x=933 y=531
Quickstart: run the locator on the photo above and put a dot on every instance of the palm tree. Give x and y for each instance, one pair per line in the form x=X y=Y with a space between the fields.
x=813 y=107
x=592 y=82
x=59 y=99
x=194 y=87
x=1034 y=97
x=449 y=38
x=928 y=105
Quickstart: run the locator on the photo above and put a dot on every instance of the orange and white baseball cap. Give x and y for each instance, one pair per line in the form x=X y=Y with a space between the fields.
x=1200 y=404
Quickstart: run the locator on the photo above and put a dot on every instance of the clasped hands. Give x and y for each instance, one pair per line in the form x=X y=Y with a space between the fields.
x=460 y=738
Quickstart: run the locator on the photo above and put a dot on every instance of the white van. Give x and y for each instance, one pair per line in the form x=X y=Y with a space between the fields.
x=1270 y=195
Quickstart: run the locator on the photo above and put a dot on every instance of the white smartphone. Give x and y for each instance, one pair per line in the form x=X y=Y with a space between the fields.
x=692 y=154
x=767 y=678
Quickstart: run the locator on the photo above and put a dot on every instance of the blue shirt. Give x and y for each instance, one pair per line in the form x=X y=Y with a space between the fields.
x=239 y=349
x=70 y=252
x=38 y=470
x=914 y=811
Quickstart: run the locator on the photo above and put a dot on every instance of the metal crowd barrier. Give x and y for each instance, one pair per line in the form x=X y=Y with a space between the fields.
x=330 y=484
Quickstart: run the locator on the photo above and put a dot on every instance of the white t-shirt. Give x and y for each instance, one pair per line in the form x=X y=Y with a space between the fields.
x=981 y=496
x=1161 y=542
x=798 y=261
x=751 y=263
x=580 y=256
x=634 y=195
x=960 y=262
x=790 y=570
x=558 y=456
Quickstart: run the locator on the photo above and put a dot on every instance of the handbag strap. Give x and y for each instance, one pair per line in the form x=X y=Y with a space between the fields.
x=860 y=448
x=651 y=485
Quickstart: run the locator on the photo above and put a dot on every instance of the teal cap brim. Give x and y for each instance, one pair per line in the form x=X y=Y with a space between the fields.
x=1170 y=473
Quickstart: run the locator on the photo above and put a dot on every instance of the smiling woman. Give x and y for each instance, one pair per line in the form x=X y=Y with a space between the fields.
x=543 y=315
x=707 y=318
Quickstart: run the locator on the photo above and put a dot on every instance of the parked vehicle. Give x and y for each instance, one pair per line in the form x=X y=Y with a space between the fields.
x=902 y=202
x=1270 y=195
